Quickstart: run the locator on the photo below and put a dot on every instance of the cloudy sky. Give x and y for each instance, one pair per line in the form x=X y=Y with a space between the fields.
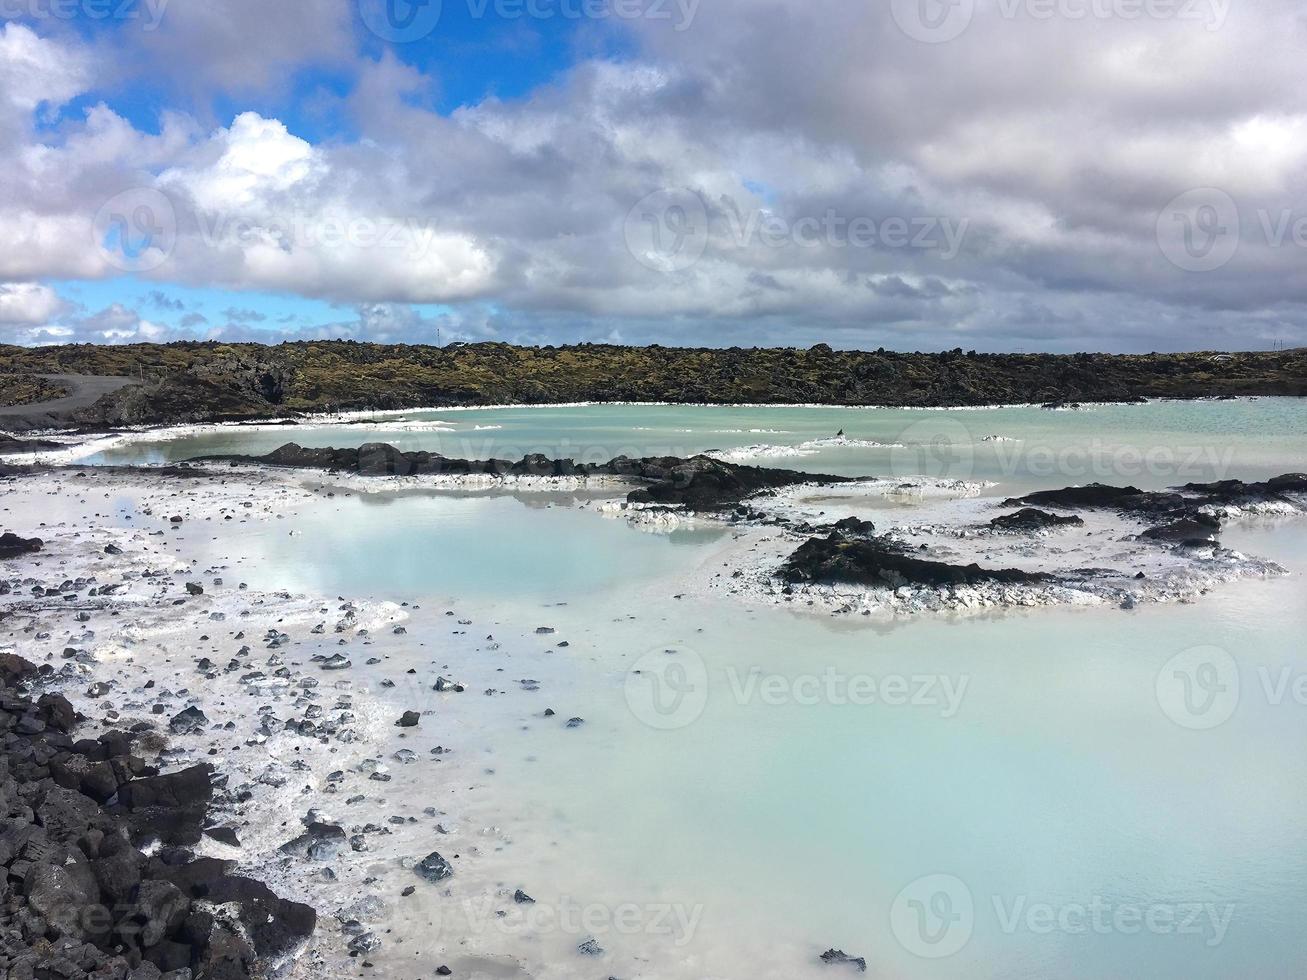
x=1039 y=175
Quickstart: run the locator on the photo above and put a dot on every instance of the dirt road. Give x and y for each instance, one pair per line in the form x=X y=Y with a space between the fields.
x=84 y=390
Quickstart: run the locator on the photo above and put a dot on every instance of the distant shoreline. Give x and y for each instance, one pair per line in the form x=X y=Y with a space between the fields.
x=188 y=383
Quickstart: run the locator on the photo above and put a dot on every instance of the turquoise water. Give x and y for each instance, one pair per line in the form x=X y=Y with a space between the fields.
x=1152 y=445
x=1058 y=780
x=412 y=546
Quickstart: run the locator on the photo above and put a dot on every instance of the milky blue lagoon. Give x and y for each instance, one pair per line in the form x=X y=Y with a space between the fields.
x=1028 y=792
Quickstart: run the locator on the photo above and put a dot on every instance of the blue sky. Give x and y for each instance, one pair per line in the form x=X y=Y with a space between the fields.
x=736 y=173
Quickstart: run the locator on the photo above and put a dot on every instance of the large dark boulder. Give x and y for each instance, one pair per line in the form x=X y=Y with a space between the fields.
x=12 y=546
x=169 y=808
x=57 y=712
x=66 y=894
x=187 y=788
x=14 y=669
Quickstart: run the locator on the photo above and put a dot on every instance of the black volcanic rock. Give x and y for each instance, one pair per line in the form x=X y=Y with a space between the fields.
x=704 y=483
x=434 y=868
x=1193 y=531
x=1237 y=493
x=1178 y=503
x=1090 y=497
x=878 y=563
x=837 y=957
x=1031 y=519
x=697 y=483
x=12 y=546
x=82 y=900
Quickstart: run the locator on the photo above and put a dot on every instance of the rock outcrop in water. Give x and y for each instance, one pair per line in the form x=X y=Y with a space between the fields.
x=700 y=483
x=1200 y=531
x=703 y=483
x=1031 y=519
x=883 y=564
x=1188 y=516
x=81 y=899
x=1178 y=503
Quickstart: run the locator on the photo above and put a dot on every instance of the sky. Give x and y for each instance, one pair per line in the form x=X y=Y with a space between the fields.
x=1000 y=175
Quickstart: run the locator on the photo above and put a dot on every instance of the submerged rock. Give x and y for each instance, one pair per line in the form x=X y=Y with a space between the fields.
x=834 y=957
x=590 y=947
x=434 y=868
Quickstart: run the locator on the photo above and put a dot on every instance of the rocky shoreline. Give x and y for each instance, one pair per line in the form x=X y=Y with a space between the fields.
x=81 y=897
x=235 y=759
x=208 y=382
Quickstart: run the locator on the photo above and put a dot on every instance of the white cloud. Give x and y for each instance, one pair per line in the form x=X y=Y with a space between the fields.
x=27 y=304
x=1053 y=143
x=34 y=70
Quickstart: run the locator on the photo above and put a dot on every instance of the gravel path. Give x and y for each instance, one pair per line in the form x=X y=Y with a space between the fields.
x=84 y=390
